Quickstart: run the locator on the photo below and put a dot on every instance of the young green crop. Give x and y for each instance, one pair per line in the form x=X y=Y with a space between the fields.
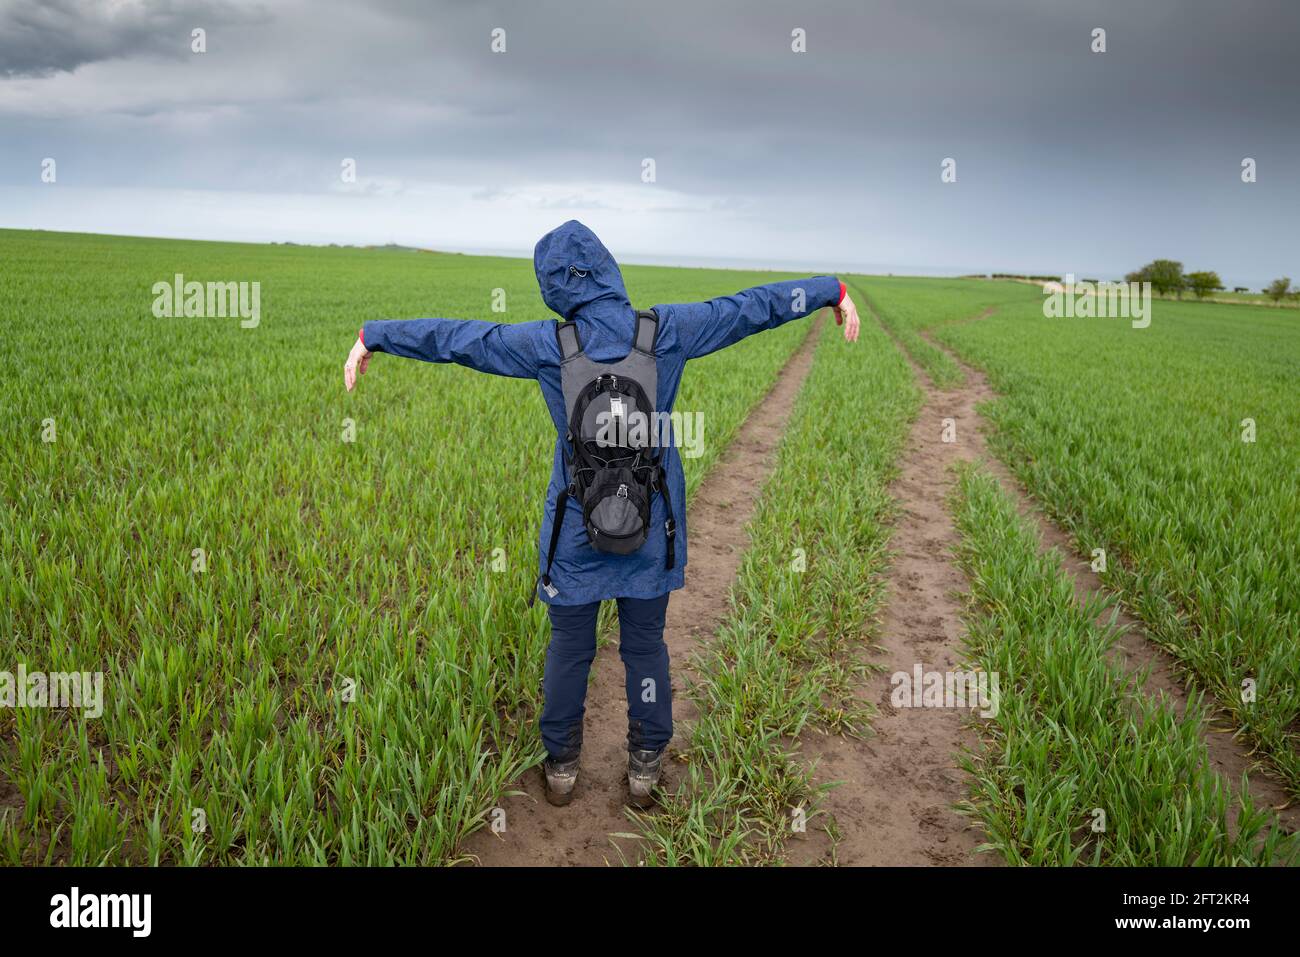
x=346 y=672
x=906 y=306
x=1173 y=449
x=1079 y=766
x=808 y=589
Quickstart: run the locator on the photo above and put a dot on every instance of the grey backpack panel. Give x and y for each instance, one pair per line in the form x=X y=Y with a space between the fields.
x=613 y=467
x=577 y=371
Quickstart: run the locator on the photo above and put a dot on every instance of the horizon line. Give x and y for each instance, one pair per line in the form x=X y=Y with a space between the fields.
x=736 y=264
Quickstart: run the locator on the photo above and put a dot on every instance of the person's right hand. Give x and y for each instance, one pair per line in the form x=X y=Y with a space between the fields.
x=358 y=362
x=846 y=315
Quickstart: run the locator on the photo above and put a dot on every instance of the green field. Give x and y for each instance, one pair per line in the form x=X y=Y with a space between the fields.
x=1077 y=735
x=785 y=660
x=309 y=606
x=373 y=560
x=1134 y=440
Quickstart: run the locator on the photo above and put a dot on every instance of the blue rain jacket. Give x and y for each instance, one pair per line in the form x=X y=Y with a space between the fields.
x=593 y=295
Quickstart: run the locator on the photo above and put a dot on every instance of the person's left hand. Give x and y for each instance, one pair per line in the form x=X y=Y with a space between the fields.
x=846 y=315
x=358 y=362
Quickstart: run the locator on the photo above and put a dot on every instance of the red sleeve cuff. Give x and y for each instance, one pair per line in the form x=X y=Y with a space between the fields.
x=843 y=289
x=361 y=333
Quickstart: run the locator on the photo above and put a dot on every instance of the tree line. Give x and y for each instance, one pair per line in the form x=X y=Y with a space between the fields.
x=1167 y=277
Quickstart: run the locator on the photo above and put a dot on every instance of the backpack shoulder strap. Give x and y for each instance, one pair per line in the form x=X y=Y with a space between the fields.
x=647 y=331
x=566 y=334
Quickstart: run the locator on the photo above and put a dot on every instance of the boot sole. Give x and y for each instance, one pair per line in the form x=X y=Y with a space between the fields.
x=556 y=799
x=642 y=802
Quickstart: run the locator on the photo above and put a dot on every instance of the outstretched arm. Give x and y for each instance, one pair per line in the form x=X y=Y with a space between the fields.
x=496 y=347
x=718 y=323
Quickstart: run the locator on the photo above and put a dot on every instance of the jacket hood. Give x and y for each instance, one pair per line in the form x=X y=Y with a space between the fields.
x=577 y=275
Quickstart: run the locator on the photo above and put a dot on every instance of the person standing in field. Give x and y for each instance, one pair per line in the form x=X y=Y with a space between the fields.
x=621 y=529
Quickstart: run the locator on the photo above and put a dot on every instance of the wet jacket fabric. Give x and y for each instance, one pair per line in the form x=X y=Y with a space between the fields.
x=580 y=280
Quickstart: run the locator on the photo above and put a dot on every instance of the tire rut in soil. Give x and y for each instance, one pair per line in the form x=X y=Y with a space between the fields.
x=1134 y=649
x=895 y=803
x=537 y=834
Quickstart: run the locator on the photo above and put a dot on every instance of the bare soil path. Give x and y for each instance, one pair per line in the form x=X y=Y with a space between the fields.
x=1135 y=649
x=897 y=789
x=894 y=805
x=579 y=834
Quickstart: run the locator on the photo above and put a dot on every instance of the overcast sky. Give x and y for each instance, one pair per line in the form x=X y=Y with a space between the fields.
x=1066 y=160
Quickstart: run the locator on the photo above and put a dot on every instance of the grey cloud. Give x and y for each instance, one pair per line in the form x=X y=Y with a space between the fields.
x=43 y=37
x=850 y=132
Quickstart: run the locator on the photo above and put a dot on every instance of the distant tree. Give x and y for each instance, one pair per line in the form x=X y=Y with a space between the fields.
x=1240 y=289
x=1165 y=276
x=1203 y=283
x=1278 y=289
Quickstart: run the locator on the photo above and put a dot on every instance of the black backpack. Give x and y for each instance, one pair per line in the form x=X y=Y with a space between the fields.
x=611 y=453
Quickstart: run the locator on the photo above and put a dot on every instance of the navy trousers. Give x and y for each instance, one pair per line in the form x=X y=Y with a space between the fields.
x=645 y=660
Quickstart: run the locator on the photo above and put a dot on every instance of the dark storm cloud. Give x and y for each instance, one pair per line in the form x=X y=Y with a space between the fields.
x=1137 y=149
x=40 y=37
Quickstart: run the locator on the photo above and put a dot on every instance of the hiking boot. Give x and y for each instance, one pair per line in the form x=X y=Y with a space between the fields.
x=643 y=768
x=561 y=779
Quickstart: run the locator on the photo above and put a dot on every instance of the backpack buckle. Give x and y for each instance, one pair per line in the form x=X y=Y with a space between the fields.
x=670 y=527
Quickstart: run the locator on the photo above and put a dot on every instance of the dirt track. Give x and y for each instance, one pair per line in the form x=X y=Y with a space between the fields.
x=1135 y=649
x=894 y=803
x=538 y=834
